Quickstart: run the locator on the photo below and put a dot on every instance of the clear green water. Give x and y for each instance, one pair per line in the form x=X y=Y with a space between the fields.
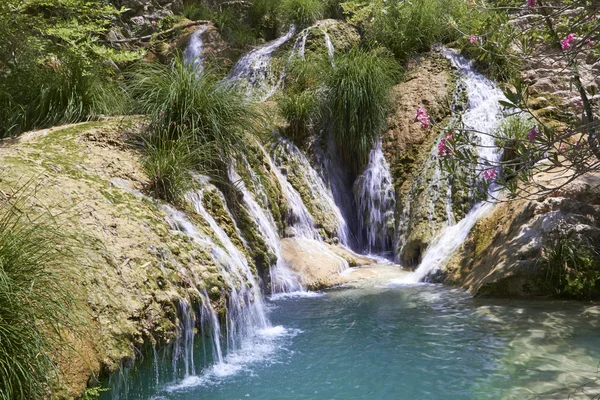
x=416 y=342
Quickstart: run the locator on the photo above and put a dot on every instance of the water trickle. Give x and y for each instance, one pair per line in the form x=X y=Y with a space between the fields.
x=194 y=51
x=300 y=42
x=254 y=70
x=184 y=343
x=375 y=198
x=282 y=278
x=288 y=155
x=484 y=114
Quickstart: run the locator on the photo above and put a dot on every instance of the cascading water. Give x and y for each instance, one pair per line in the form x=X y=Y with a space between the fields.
x=194 y=51
x=483 y=115
x=375 y=198
x=254 y=69
x=300 y=43
x=286 y=153
x=283 y=280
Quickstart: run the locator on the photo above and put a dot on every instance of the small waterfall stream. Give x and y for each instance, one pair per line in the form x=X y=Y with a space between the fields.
x=375 y=197
x=194 y=51
x=254 y=69
x=484 y=114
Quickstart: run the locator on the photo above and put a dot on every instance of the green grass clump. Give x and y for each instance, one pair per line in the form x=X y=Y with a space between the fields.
x=357 y=102
x=37 y=303
x=43 y=96
x=408 y=27
x=195 y=121
x=301 y=12
x=300 y=103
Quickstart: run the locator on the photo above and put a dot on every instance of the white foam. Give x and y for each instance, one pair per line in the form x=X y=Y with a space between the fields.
x=254 y=350
x=295 y=295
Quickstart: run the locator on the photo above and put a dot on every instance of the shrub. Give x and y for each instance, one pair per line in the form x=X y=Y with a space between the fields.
x=357 y=102
x=36 y=300
x=301 y=12
x=572 y=264
x=407 y=27
x=168 y=163
x=40 y=97
x=301 y=110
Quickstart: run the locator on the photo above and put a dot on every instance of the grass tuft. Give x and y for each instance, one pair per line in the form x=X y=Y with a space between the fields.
x=37 y=303
x=196 y=123
x=357 y=102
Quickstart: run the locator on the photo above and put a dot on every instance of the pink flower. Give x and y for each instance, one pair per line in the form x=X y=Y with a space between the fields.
x=531 y=3
x=443 y=149
x=590 y=42
x=473 y=39
x=568 y=41
x=562 y=148
x=532 y=134
x=489 y=174
x=423 y=118
x=153 y=22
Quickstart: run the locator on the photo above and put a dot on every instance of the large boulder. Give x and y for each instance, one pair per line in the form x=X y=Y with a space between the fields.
x=318 y=264
x=501 y=255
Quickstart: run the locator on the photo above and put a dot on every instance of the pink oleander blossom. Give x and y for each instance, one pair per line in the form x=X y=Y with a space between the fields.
x=443 y=149
x=567 y=42
x=532 y=134
x=562 y=148
x=473 y=39
x=489 y=174
x=423 y=118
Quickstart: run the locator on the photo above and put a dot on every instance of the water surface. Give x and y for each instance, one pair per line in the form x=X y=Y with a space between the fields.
x=403 y=342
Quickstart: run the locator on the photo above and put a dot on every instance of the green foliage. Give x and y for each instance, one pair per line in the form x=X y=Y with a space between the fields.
x=301 y=110
x=301 y=12
x=357 y=101
x=301 y=102
x=168 y=163
x=494 y=49
x=407 y=27
x=572 y=264
x=194 y=122
x=240 y=26
x=93 y=393
x=53 y=67
x=36 y=300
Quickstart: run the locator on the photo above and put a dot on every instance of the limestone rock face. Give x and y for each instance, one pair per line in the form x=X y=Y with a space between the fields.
x=500 y=255
x=407 y=148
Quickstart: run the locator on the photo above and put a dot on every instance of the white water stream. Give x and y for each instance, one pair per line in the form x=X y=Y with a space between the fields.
x=255 y=70
x=483 y=115
x=194 y=51
x=375 y=198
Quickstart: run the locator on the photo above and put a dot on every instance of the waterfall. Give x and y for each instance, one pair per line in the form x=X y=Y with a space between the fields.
x=483 y=114
x=282 y=278
x=294 y=160
x=254 y=69
x=330 y=48
x=194 y=51
x=300 y=43
x=375 y=198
